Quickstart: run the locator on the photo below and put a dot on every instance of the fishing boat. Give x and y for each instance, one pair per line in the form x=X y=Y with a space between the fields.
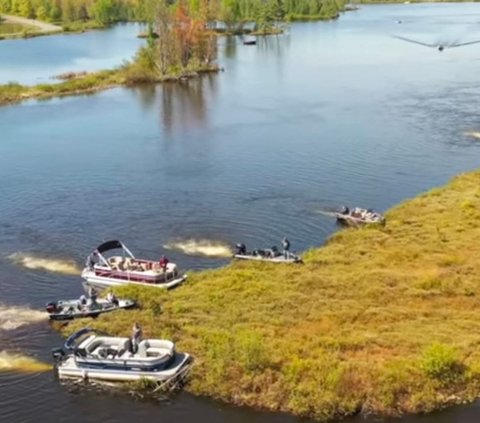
x=358 y=216
x=272 y=255
x=78 y=308
x=89 y=354
x=102 y=271
x=250 y=42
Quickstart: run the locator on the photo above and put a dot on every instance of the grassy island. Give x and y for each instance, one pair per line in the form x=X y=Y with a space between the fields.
x=382 y=320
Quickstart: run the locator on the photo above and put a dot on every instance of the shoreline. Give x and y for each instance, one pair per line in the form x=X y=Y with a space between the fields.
x=387 y=329
x=88 y=83
x=33 y=27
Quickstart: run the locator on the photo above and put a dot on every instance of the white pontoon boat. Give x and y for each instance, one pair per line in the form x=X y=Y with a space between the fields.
x=90 y=355
x=103 y=272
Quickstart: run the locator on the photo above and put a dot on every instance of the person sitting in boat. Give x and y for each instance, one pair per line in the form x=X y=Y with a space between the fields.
x=112 y=299
x=82 y=302
x=137 y=335
x=241 y=249
x=274 y=252
x=345 y=210
x=163 y=263
x=286 y=247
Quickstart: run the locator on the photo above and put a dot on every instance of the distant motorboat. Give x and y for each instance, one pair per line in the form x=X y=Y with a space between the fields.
x=103 y=272
x=250 y=42
x=89 y=354
x=272 y=255
x=74 y=309
x=358 y=216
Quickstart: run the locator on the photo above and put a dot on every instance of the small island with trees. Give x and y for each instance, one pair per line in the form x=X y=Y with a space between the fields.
x=181 y=38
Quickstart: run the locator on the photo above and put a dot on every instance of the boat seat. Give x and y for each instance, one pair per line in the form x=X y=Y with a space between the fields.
x=143 y=347
x=155 y=352
x=123 y=349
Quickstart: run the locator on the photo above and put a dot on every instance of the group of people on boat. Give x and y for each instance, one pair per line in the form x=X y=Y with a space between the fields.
x=359 y=213
x=128 y=264
x=241 y=249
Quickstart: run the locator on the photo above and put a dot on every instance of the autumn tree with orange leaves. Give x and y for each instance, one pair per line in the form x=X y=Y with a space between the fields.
x=184 y=41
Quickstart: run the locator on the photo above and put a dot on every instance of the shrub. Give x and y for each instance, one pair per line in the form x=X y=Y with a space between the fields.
x=441 y=362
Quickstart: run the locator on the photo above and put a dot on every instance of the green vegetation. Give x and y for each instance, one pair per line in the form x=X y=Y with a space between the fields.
x=234 y=13
x=381 y=319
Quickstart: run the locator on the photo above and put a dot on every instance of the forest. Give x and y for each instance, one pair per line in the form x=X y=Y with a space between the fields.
x=231 y=12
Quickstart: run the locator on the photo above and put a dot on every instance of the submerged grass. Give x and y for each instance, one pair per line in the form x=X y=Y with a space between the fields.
x=381 y=320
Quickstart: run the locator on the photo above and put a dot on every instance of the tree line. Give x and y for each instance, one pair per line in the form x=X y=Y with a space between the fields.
x=231 y=12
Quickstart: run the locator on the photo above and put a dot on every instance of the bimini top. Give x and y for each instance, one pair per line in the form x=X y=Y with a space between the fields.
x=110 y=245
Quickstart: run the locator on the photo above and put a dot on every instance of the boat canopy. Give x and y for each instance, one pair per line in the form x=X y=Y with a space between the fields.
x=107 y=246
x=110 y=245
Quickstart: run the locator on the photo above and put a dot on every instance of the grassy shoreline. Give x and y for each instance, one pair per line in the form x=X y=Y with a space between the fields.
x=88 y=83
x=381 y=320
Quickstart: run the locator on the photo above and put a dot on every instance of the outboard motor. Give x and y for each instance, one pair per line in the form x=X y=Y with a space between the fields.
x=345 y=210
x=51 y=307
x=58 y=354
x=240 y=249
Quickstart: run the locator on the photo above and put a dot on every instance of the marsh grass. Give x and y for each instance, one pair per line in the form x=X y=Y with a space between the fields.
x=129 y=74
x=380 y=319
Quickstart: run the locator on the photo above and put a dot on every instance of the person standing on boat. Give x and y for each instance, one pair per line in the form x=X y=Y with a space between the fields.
x=92 y=260
x=286 y=247
x=92 y=296
x=163 y=263
x=137 y=335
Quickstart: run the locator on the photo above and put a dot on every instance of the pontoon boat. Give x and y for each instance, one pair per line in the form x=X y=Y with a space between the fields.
x=119 y=270
x=91 y=355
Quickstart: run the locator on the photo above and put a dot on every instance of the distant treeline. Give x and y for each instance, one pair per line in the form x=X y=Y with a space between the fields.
x=232 y=12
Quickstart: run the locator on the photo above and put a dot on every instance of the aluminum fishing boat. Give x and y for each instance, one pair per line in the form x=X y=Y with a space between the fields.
x=358 y=216
x=74 y=309
x=92 y=355
x=102 y=271
x=272 y=255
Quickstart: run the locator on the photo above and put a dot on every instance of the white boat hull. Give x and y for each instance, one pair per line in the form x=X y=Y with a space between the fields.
x=106 y=282
x=278 y=259
x=69 y=369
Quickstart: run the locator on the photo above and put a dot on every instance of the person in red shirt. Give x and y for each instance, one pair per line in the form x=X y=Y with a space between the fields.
x=163 y=263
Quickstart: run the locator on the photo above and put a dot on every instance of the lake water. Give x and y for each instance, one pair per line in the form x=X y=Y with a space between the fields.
x=37 y=60
x=328 y=114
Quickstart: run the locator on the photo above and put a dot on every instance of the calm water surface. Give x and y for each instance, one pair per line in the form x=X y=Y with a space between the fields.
x=37 y=60
x=328 y=114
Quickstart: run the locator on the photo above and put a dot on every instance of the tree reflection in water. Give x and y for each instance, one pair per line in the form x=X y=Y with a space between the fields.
x=183 y=105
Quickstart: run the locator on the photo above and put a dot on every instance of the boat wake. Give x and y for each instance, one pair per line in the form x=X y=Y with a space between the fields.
x=472 y=134
x=67 y=267
x=326 y=213
x=14 y=317
x=21 y=363
x=201 y=247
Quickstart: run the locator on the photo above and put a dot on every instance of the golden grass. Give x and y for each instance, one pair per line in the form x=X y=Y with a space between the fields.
x=380 y=319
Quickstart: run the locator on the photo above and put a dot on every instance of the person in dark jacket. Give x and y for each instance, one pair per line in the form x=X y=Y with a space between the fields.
x=286 y=248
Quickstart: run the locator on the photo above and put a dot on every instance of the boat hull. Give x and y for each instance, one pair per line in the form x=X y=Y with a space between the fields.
x=350 y=220
x=69 y=368
x=106 y=282
x=123 y=305
x=279 y=259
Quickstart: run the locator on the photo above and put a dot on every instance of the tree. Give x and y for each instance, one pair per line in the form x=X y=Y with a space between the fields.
x=104 y=11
